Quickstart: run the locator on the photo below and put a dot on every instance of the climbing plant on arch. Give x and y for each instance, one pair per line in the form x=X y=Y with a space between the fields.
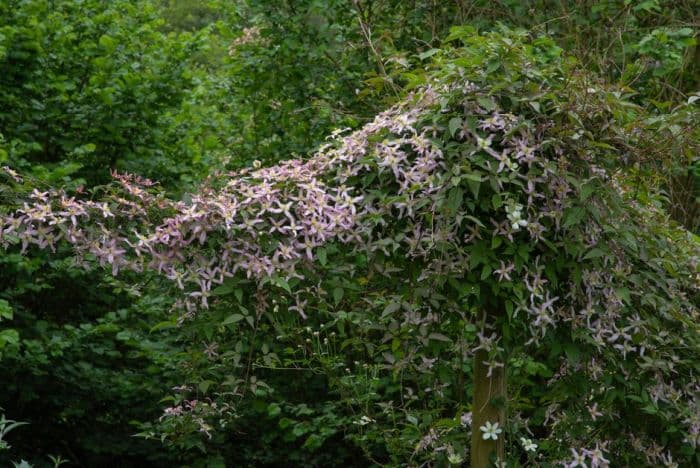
x=476 y=232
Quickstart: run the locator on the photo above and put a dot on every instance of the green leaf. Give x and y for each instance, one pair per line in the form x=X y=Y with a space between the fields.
x=5 y=310
x=108 y=43
x=594 y=253
x=233 y=318
x=496 y=241
x=282 y=283
x=624 y=294
x=228 y=287
x=486 y=103
x=273 y=410
x=473 y=176
x=650 y=409
x=163 y=325
x=461 y=32
x=428 y=53
x=204 y=385
x=572 y=352
x=454 y=125
x=476 y=221
x=8 y=337
x=474 y=186
x=285 y=423
x=454 y=199
x=509 y=309
x=496 y=201
x=338 y=295
x=322 y=256
x=573 y=216
x=222 y=290
x=439 y=337
x=391 y=308
x=587 y=190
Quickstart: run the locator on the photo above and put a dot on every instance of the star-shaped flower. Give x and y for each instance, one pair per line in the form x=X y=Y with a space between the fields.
x=528 y=444
x=490 y=431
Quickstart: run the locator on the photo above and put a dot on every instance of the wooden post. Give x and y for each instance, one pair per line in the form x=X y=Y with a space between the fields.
x=488 y=406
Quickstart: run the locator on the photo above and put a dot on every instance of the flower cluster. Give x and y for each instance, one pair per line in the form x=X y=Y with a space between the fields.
x=195 y=412
x=595 y=458
x=261 y=223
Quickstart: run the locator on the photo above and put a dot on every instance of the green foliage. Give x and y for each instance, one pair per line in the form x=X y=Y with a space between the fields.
x=91 y=88
x=294 y=76
x=93 y=360
x=175 y=90
x=7 y=425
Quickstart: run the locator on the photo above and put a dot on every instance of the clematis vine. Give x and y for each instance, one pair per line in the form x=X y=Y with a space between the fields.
x=494 y=200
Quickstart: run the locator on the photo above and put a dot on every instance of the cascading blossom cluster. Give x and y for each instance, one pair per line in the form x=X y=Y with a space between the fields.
x=265 y=222
x=261 y=223
x=404 y=184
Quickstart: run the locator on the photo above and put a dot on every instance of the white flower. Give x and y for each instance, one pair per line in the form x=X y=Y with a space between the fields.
x=579 y=459
x=364 y=420
x=454 y=459
x=490 y=431
x=515 y=216
x=528 y=444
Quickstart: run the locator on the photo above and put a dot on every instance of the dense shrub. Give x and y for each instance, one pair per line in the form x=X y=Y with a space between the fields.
x=376 y=365
x=480 y=216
